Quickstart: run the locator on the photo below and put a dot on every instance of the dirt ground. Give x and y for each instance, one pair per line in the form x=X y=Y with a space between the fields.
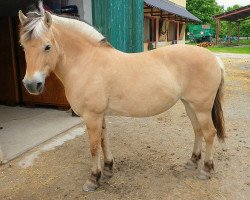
x=150 y=154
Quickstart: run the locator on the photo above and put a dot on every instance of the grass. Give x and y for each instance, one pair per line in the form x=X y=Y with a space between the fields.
x=230 y=49
x=241 y=50
x=245 y=42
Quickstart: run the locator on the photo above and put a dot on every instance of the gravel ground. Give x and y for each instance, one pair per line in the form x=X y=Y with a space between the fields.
x=150 y=154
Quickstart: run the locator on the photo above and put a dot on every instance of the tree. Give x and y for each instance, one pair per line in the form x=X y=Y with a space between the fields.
x=245 y=28
x=204 y=10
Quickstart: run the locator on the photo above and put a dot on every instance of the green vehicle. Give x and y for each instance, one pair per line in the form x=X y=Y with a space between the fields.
x=200 y=33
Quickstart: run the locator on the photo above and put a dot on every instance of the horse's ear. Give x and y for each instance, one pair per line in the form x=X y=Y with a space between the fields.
x=22 y=17
x=47 y=19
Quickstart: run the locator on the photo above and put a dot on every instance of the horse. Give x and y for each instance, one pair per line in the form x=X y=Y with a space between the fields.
x=100 y=80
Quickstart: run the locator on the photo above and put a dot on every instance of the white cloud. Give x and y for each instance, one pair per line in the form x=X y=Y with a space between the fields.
x=228 y=3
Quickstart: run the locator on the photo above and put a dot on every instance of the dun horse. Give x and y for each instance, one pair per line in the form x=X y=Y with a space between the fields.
x=100 y=80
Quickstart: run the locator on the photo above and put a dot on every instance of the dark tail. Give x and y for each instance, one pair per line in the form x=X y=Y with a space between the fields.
x=217 y=112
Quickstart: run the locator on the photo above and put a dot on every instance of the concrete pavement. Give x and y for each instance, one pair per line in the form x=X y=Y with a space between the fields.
x=24 y=128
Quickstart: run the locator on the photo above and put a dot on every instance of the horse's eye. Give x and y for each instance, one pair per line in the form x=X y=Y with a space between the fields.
x=47 y=47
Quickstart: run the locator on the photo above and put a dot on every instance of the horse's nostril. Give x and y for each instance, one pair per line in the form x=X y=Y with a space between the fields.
x=39 y=86
x=28 y=86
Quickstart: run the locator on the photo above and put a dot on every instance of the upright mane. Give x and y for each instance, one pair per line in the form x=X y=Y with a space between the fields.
x=34 y=26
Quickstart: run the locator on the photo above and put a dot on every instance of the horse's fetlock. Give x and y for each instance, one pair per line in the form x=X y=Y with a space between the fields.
x=109 y=165
x=108 y=169
x=208 y=166
x=196 y=158
x=95 y=176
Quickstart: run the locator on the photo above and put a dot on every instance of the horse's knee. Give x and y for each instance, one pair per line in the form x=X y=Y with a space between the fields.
x=95 y=148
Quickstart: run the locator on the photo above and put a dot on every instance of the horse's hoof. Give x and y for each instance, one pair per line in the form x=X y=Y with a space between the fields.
x=107 y=173
x=204 y=175
x=90 y=186
x=191 y=165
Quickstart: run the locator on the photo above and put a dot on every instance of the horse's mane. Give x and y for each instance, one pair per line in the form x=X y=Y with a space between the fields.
x=34 y=25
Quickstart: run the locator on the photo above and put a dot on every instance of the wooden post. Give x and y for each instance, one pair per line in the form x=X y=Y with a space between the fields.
x=217 y=30
x=229 y=32
x=183 y=28
x=157 y=32
x=167 y=34
x=238 y=23
x=178 y=32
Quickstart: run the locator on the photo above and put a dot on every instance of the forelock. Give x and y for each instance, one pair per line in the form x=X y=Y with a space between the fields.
x=34 y=26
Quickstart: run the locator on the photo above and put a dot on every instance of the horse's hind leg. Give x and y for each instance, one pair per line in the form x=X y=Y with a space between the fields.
x=94 y=128
x=196 y=155
x=209 y=132
x=108 y=158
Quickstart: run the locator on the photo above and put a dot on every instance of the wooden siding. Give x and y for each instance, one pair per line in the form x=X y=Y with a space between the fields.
x=121 y=21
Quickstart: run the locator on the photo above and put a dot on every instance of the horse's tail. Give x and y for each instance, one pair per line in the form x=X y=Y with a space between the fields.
x=217 y=112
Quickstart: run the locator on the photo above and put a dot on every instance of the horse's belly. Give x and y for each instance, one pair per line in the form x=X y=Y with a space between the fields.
x=142 y=104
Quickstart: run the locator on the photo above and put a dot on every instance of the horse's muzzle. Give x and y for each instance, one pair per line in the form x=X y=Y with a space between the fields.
x=34 y=87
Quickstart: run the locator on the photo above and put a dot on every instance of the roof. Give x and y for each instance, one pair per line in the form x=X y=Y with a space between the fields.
x=172 y=8
x=239 y=14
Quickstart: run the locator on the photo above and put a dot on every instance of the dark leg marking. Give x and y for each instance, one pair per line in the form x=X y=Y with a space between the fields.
x=108 y=165
x=193 y=162
x=208 y=166
x=95 y=177
x=195 y=158
x=206 y=170
x=108 y=169
x=92 y=183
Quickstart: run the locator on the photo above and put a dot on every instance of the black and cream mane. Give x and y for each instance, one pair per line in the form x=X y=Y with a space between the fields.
x=35 y=26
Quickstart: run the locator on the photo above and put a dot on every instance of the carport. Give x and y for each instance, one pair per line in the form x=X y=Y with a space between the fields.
x=237 y=15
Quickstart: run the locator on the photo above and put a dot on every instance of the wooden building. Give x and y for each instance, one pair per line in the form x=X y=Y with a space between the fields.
x=165 y=22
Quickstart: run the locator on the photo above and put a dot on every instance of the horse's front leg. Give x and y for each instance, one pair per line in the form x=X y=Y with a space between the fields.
x=94 y=128
x=108 y=158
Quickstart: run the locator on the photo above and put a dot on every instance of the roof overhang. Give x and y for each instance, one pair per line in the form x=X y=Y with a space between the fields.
x=169 y=10
x=239 y=14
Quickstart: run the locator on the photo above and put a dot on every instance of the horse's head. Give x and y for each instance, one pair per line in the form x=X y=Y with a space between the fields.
x=41 y=49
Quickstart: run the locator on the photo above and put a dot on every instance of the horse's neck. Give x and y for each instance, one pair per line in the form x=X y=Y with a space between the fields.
x=75 y=49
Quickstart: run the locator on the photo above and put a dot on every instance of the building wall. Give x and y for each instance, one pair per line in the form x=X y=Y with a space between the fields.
x=84 y=9
x=180 y=2
x=87 y=8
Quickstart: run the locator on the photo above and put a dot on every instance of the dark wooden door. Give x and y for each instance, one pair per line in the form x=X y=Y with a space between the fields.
x=8 y=74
